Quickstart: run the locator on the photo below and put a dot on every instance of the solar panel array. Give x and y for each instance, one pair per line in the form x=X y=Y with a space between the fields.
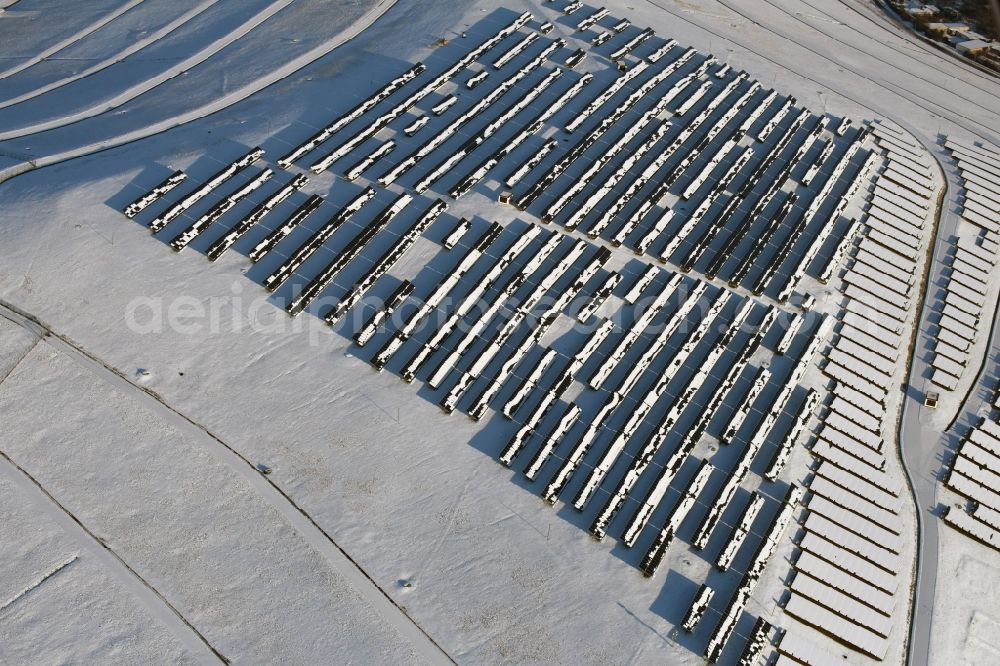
x=973 y=260
x=670 y=412
x=974 y=473
x=850 y=577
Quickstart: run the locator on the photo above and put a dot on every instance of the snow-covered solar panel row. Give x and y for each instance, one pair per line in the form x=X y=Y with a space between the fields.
x=741 y=413
x=817 y=162
x=328 y=159
x=661 y=51
x=847 y=539
x=961 y=311
x=653 y=443
x=722 y=126
x=837 y=258
x=632 y=44
x=618 y=84
x=813 y=211
x=456 y=234
x=753 y=447
x=515 y=50
x=857 y=567
x=369 y=103
x=605 y=188
x=787 y=105
x=204 y=190
x=599 y=297
x=841 y=604
x=651 y=561
x=416 y=125
x=868 y=418
x=317 y=239
x=606 y=156
x=303 y=297
x=978 y=167
x=528 y=384
x=865 y=527
x=632 y=334
x=490 y=390
x=475 y=175
x=368 y=160
x=698 y=607
x=845 y=582
x=286 y=227
x=476 y=79
x=738 y=601
x=446 y=164
x=378 y=318
x=153 y=195
x=588 y=22
x=439 y=293
x=746 y=194
x=612 y=452
x=193 y=230
x=986 y=515
x=844 y=631
x=533 y=261
x=601 y=38
x=739 y=532
x=968 y=524
x=610 y=212
x=219 y=247
x=574 y=58
x=788 y=443
x=551 y=440
x=593 y=135
x=478 y=365
x=783 y=218
x=756 y=644
x=469 y=115
x=974 y=473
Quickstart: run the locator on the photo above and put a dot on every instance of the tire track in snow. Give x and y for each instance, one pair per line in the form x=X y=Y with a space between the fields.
x=214 y=106
x=89 y=543
x=116 y=58
x=831 y=86
x=131 y=93
x=37 y=583
x=59 y=46
x=298 y=519
x=905 y=93
x=854 y=47
x=909 y=43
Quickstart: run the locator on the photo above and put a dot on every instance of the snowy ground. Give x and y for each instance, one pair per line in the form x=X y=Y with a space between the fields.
x=184 y=546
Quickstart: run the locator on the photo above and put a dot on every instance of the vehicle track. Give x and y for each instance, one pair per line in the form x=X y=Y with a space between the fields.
x=764 y=56
x=884 y=16
x=147 y=595
x=118 y=57
x=907 y=37
x=59 y=46
x=130 y=94
x=905 y=93
x=214 y=106
x=859 y=49
x=297 y=517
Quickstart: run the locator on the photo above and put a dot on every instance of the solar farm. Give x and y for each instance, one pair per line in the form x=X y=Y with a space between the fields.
x=561 y=339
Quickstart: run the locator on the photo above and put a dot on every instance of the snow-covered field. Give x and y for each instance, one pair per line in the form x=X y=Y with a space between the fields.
x=136 y=524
